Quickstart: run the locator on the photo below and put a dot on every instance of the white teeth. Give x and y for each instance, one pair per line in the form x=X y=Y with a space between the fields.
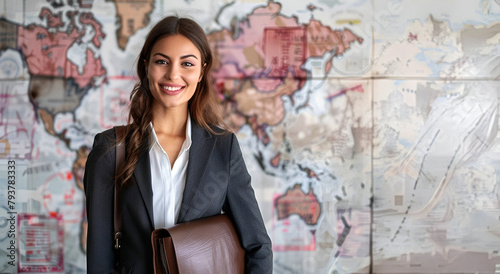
x=171 y=88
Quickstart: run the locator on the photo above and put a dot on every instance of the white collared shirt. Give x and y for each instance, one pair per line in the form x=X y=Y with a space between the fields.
x=168 y=183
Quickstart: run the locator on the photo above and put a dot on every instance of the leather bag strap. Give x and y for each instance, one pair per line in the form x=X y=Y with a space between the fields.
x=120 y=157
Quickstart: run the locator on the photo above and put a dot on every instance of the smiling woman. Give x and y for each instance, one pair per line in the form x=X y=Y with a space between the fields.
x=173 y=71
x=181 y=161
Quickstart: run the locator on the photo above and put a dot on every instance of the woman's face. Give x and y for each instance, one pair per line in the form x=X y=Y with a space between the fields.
x=173 y=70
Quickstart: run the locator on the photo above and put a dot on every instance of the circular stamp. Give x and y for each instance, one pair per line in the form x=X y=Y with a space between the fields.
x=9 y=68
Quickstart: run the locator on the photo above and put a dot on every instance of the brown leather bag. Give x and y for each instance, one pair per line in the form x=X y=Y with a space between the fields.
x=207 y=245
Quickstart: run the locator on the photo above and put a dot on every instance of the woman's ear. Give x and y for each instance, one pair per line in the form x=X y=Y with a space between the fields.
x=146 y=66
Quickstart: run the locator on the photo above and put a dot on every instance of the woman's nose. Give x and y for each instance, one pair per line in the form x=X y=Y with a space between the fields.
x=173 y=72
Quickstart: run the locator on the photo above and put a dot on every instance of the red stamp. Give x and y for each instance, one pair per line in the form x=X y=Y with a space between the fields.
x=41 y=243
x=285 y=51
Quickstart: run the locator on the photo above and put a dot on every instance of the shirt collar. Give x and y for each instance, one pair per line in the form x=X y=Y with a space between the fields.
x=153 y=139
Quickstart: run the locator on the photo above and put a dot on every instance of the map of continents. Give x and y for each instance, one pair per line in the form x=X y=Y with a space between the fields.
x=261 y=63
x=260 y=60
x=61 y=50
x=264 y=63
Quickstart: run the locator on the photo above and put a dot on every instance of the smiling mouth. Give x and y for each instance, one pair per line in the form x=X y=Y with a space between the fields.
x=172 y=90
x=169 y=88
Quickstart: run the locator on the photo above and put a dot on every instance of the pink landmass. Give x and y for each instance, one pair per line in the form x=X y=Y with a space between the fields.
x=247 y=49
x=46 y=51
x=53 y=21
x=295 y=201
x=268 y=40
x=85 y=4
x=87 y=18
x=92 y=69
x=275 y=161
x=265 y=53
x=321 y=39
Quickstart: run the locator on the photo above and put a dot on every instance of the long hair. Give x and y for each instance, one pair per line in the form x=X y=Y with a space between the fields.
x=203 y=106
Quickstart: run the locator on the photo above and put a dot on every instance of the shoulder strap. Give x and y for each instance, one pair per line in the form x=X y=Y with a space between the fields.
x=120 y=157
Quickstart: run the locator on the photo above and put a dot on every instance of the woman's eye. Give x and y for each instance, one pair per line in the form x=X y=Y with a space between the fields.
x=188 y=64
x=161 y=62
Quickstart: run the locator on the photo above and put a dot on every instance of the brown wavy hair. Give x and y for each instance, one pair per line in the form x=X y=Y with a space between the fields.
x=203 y=106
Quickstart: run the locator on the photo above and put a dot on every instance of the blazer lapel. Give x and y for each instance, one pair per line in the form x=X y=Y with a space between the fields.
x=142 y=176
x=199 y=155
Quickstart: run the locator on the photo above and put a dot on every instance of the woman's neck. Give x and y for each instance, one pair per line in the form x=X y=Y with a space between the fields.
x=171 y=121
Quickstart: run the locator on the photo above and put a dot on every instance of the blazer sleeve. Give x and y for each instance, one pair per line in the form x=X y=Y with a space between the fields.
x=247 y=218
x=99 y=189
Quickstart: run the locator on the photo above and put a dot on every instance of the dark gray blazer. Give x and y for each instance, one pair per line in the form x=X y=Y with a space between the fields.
x=217 y=179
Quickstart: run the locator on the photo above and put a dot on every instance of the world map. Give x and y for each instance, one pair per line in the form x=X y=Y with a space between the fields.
x=370 y=128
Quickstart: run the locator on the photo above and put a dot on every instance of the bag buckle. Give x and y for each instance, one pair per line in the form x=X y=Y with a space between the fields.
x=118 y=237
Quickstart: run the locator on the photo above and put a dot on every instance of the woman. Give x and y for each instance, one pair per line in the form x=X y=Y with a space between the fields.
x=181 y=162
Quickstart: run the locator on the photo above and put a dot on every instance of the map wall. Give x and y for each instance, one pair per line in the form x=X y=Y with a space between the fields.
x=370 y=127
